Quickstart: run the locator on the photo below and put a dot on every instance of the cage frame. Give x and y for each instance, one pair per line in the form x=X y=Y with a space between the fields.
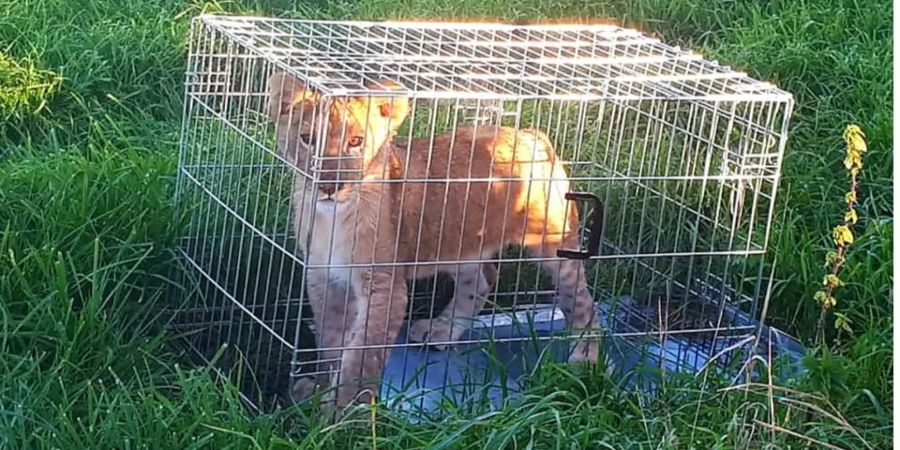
x=234 y=30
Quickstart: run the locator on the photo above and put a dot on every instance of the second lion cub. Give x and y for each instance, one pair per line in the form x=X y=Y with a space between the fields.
x=459 y=197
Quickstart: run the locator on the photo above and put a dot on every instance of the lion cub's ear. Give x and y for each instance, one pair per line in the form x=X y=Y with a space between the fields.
x=395 y=108
x=286 y=91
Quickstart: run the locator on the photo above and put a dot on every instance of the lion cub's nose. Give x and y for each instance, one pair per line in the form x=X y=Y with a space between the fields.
x=328 y=188
x=327 y=183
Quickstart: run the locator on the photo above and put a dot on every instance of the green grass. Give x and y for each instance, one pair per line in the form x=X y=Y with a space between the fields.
x=90 y=97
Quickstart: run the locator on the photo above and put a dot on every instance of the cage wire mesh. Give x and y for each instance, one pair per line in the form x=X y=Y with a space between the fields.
x=674 y=160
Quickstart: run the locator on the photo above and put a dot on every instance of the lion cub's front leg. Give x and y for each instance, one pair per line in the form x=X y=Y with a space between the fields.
x=380 y=304
x=329 y=301
x=472 y=284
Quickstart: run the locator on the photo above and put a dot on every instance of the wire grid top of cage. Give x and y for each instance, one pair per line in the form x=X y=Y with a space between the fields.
x=488 y=61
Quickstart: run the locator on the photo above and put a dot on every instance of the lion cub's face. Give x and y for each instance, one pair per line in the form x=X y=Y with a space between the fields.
x=337 y=136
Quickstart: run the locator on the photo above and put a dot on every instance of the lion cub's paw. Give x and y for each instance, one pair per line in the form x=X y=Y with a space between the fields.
x=437 y=333
x=588 y=354
x=305 y=388
x=585 y=352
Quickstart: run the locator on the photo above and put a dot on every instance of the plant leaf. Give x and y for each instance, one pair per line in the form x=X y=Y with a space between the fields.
x=842 y=235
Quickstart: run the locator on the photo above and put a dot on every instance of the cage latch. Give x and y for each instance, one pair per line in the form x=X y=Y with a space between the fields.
x=596 y=232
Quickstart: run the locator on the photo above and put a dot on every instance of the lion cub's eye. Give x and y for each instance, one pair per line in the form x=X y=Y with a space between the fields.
x=355 y=141
x=306 y=138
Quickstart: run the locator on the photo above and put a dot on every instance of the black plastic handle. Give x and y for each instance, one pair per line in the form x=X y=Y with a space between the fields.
x=593 y=246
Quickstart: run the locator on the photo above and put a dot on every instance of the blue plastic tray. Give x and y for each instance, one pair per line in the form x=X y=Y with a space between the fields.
x=419 y=379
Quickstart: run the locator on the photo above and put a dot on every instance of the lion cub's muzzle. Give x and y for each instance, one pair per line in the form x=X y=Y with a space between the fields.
x=329 y=182
x=330 y=188
x=335 y=175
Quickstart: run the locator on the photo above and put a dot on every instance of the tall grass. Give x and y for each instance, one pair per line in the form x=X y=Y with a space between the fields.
x=91 y=94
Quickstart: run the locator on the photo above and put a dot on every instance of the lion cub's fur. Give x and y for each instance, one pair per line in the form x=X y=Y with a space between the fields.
x=351 y=217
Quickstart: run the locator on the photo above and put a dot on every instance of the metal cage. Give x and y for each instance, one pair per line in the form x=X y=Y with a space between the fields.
x=680 y=158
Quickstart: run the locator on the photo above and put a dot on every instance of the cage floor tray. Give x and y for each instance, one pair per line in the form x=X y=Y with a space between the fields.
x=420 y=379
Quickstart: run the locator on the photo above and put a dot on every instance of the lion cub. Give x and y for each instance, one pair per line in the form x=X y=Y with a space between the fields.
x=360 y=229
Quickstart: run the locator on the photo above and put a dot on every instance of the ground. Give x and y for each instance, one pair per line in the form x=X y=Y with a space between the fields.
x=90 y=98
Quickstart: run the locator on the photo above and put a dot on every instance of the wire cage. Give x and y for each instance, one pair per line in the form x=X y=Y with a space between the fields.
x=658 y=168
